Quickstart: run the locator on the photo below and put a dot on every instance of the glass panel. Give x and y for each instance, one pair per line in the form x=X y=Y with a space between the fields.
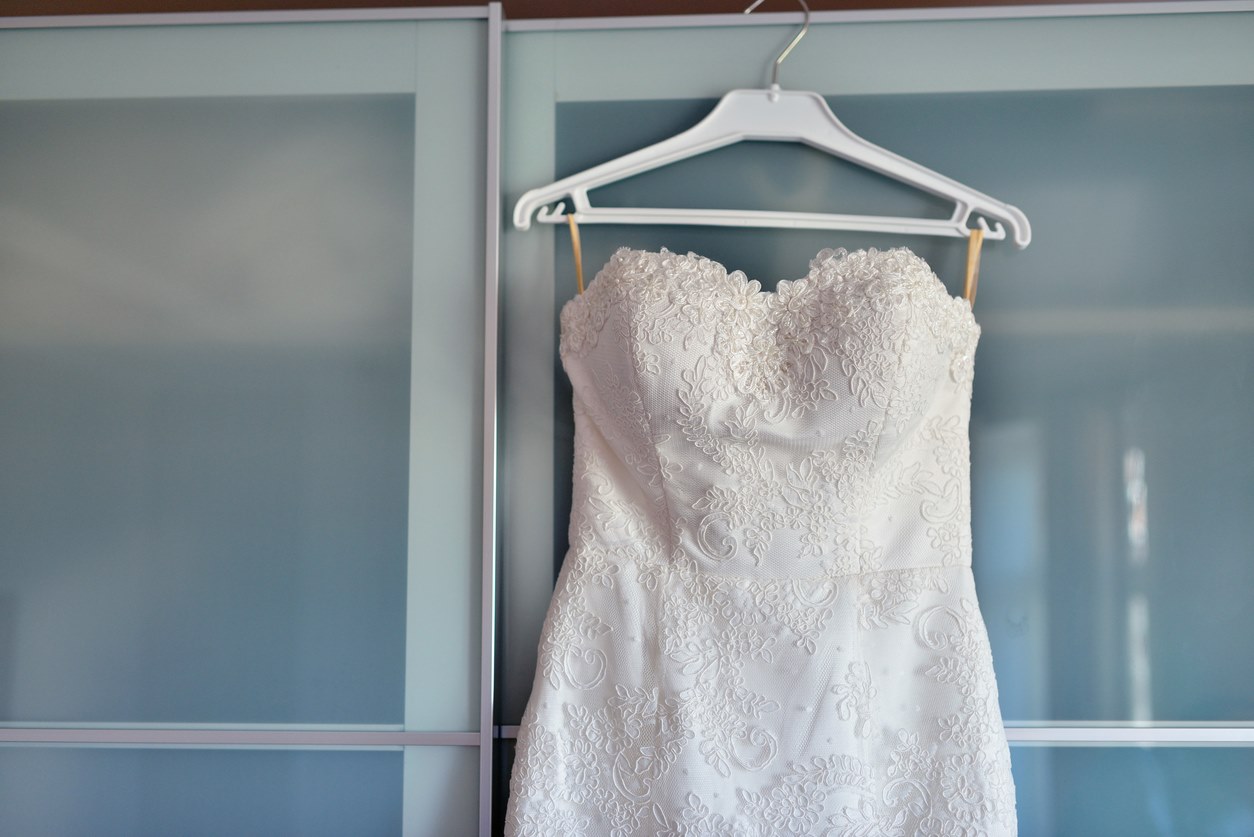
x=1112 y=466
x=204 y=411
x=441 y=791
x=69 y=792
x=1113 y=456
x=1116 y=791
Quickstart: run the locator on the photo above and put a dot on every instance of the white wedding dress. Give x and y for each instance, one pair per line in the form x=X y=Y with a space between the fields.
x=766 y=623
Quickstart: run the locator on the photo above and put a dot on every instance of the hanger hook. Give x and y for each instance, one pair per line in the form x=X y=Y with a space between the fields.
x=805 y=27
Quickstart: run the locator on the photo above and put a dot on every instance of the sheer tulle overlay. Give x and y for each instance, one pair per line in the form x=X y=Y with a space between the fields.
x=766 y=623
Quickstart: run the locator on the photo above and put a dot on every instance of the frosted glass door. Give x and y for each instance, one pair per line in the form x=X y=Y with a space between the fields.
x=240 y=377
x=1112 y=452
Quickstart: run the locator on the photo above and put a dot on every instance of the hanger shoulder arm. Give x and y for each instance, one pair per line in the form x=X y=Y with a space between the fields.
x=691 y=143
x=839 y=141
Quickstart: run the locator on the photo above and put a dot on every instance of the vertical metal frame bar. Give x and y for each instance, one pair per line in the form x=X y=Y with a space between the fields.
x=492 y=248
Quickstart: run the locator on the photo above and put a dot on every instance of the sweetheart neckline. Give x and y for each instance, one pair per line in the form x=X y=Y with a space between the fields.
x=826 y=254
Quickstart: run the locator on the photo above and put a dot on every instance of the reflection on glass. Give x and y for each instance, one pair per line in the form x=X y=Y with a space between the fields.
x=204 y=371
x=1135 y=517
x=1137 y=493
x=1139 y=676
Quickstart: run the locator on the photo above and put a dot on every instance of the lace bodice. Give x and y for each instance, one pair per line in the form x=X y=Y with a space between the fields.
x=766 y=624
x=787 y=433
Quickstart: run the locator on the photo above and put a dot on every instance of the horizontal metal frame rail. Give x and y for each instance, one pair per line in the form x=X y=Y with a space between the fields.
x=230 y=18
x=1239 y=736
x=641 y=22
x=883 y=15
x=1165 y=735
x=322 y=737
x=209 y=736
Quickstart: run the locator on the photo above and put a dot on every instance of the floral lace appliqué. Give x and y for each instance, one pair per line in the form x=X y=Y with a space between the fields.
x=766 y=623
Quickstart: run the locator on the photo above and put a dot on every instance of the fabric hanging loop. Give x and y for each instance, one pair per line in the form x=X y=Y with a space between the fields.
x=973 y=265
x=578 y=250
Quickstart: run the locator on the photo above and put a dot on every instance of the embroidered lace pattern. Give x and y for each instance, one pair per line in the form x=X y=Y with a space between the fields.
x=766 y=623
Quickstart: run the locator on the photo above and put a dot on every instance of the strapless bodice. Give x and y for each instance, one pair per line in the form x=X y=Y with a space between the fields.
x=817 y=430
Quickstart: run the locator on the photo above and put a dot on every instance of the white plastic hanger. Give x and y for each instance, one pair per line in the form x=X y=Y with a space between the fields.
x=780 y=116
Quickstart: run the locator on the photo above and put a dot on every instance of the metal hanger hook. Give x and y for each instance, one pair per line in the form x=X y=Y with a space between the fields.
x=805 y=27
